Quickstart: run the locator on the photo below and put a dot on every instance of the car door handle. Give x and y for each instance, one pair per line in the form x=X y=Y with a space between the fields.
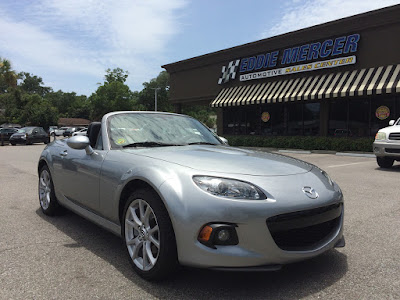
x=64 y=153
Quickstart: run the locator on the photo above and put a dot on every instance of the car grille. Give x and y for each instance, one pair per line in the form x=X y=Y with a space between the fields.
x=303 y=230
x=392 y=150
x=394 y=136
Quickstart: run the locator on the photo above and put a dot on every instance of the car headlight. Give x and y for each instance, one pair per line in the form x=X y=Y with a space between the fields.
x=228 y=188
x=380 y=136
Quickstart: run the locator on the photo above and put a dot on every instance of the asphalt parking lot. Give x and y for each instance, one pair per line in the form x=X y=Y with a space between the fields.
x=68 y=257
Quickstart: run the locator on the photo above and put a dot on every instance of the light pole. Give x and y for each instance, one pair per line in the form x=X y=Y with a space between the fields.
x=155 y=97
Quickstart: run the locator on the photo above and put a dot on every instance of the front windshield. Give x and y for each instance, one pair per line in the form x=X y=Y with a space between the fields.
x=144 y=129
x=25 y=130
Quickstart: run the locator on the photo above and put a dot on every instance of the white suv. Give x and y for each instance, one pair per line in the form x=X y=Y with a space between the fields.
x=387 y=144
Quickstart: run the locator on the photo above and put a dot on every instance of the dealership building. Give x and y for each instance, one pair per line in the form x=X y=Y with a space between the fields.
x=338 y=78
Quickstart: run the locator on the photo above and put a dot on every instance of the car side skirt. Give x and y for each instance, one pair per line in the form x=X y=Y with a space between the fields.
x=91 y=216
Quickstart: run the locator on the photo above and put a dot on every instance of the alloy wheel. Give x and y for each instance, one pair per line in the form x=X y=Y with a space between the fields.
x=45 y=189
x=142 y=234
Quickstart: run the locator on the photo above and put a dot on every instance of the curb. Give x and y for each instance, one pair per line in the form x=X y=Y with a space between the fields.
x=295 y=151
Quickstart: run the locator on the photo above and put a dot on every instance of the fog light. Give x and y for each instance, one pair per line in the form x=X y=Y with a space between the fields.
x=218 y=234
x=223 y=235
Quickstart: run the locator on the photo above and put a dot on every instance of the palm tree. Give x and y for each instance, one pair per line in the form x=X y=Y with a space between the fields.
x=8 y=77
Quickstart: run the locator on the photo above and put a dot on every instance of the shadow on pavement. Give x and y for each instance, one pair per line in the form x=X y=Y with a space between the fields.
x=292 y=282
x=395 y=168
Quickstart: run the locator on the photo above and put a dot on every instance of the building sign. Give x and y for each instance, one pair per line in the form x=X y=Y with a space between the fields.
x=338 y=62
x=265 y=116
x=313 y=56
x=382 y=112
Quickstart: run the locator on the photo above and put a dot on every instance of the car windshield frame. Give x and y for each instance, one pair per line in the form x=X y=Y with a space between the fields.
x=148 y=129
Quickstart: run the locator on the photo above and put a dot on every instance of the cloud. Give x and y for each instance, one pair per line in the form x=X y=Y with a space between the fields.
x=84 y=37
x=302 y=14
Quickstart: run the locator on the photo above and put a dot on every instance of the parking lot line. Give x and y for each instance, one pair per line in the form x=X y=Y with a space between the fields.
x=356 y=163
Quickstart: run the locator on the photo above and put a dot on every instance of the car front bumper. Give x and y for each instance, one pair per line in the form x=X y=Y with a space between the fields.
x=17 y=141
x=386 y=148
x=257 y=248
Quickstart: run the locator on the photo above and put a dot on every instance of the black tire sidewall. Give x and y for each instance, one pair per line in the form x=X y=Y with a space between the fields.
x=167 y=261
x=385 y=162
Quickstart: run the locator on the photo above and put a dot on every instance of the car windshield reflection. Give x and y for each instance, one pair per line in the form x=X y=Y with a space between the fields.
x=155 y=130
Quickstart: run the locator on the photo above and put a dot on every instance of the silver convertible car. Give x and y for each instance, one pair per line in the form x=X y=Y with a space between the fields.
x=178 y=195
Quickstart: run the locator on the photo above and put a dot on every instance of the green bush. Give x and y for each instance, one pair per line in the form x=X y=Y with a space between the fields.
x=363 y=144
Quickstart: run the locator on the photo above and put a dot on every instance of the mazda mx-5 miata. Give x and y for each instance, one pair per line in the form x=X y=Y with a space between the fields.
x=179 y=195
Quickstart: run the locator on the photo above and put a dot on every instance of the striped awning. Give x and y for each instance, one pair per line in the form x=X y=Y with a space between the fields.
x=373 y=81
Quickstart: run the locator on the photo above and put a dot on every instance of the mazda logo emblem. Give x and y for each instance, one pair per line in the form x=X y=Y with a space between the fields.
x=310 y=192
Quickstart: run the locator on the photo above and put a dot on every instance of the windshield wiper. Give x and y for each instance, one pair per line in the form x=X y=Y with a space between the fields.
x=202 y=143
x=149 y=144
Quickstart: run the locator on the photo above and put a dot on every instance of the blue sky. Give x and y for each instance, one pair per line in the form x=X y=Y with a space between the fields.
x=70 y=43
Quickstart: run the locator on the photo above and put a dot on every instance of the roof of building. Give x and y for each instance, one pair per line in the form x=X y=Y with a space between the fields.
x=72 y=121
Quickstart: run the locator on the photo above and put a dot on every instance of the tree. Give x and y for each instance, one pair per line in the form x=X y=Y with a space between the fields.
x=33 y=84
x=39 y=112
x=113 y=95
x=69 y=105
x=202 y=113
x=147 y=95
x=8 y=77
x=116 y=75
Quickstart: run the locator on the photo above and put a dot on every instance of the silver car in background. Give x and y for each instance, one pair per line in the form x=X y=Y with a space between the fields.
x=178 y=195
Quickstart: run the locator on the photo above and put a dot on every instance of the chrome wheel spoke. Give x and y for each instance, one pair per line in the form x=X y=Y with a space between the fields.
x=135 y=217
x=131 y=224
x=136 y=248
x=134 y=241
x=141 y=210
x=153 y=230
x=146 y=217
x=145 y=255
x=154 y=241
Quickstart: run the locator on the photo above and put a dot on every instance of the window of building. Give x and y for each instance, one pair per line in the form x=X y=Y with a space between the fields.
x=359 y=117
x=276 y=122
x=338 y=111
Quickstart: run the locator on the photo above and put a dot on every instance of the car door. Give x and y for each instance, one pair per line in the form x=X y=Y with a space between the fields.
x=43 y=135
x=80 y=176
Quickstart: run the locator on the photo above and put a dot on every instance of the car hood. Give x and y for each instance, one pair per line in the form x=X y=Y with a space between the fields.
x=390 y=129
x=18 y=134
x=225 y=159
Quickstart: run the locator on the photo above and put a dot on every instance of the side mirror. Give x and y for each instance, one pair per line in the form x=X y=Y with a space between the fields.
x=391 y=122
x=80 y=142
x=224 y=140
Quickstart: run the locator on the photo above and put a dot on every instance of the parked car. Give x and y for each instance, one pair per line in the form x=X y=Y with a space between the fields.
x=177 y=194
x=6 y=133
x=59 y=131
x=80 y=132
x=70 y=130
x=30 y=135
x=387 y=144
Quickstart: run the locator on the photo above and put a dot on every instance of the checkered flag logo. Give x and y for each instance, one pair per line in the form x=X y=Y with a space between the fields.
x=229 y=72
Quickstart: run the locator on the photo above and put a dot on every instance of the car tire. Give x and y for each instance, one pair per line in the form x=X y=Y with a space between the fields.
x=47 y=198
x=146 y=225
x=13 y=144
x=385 y=162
